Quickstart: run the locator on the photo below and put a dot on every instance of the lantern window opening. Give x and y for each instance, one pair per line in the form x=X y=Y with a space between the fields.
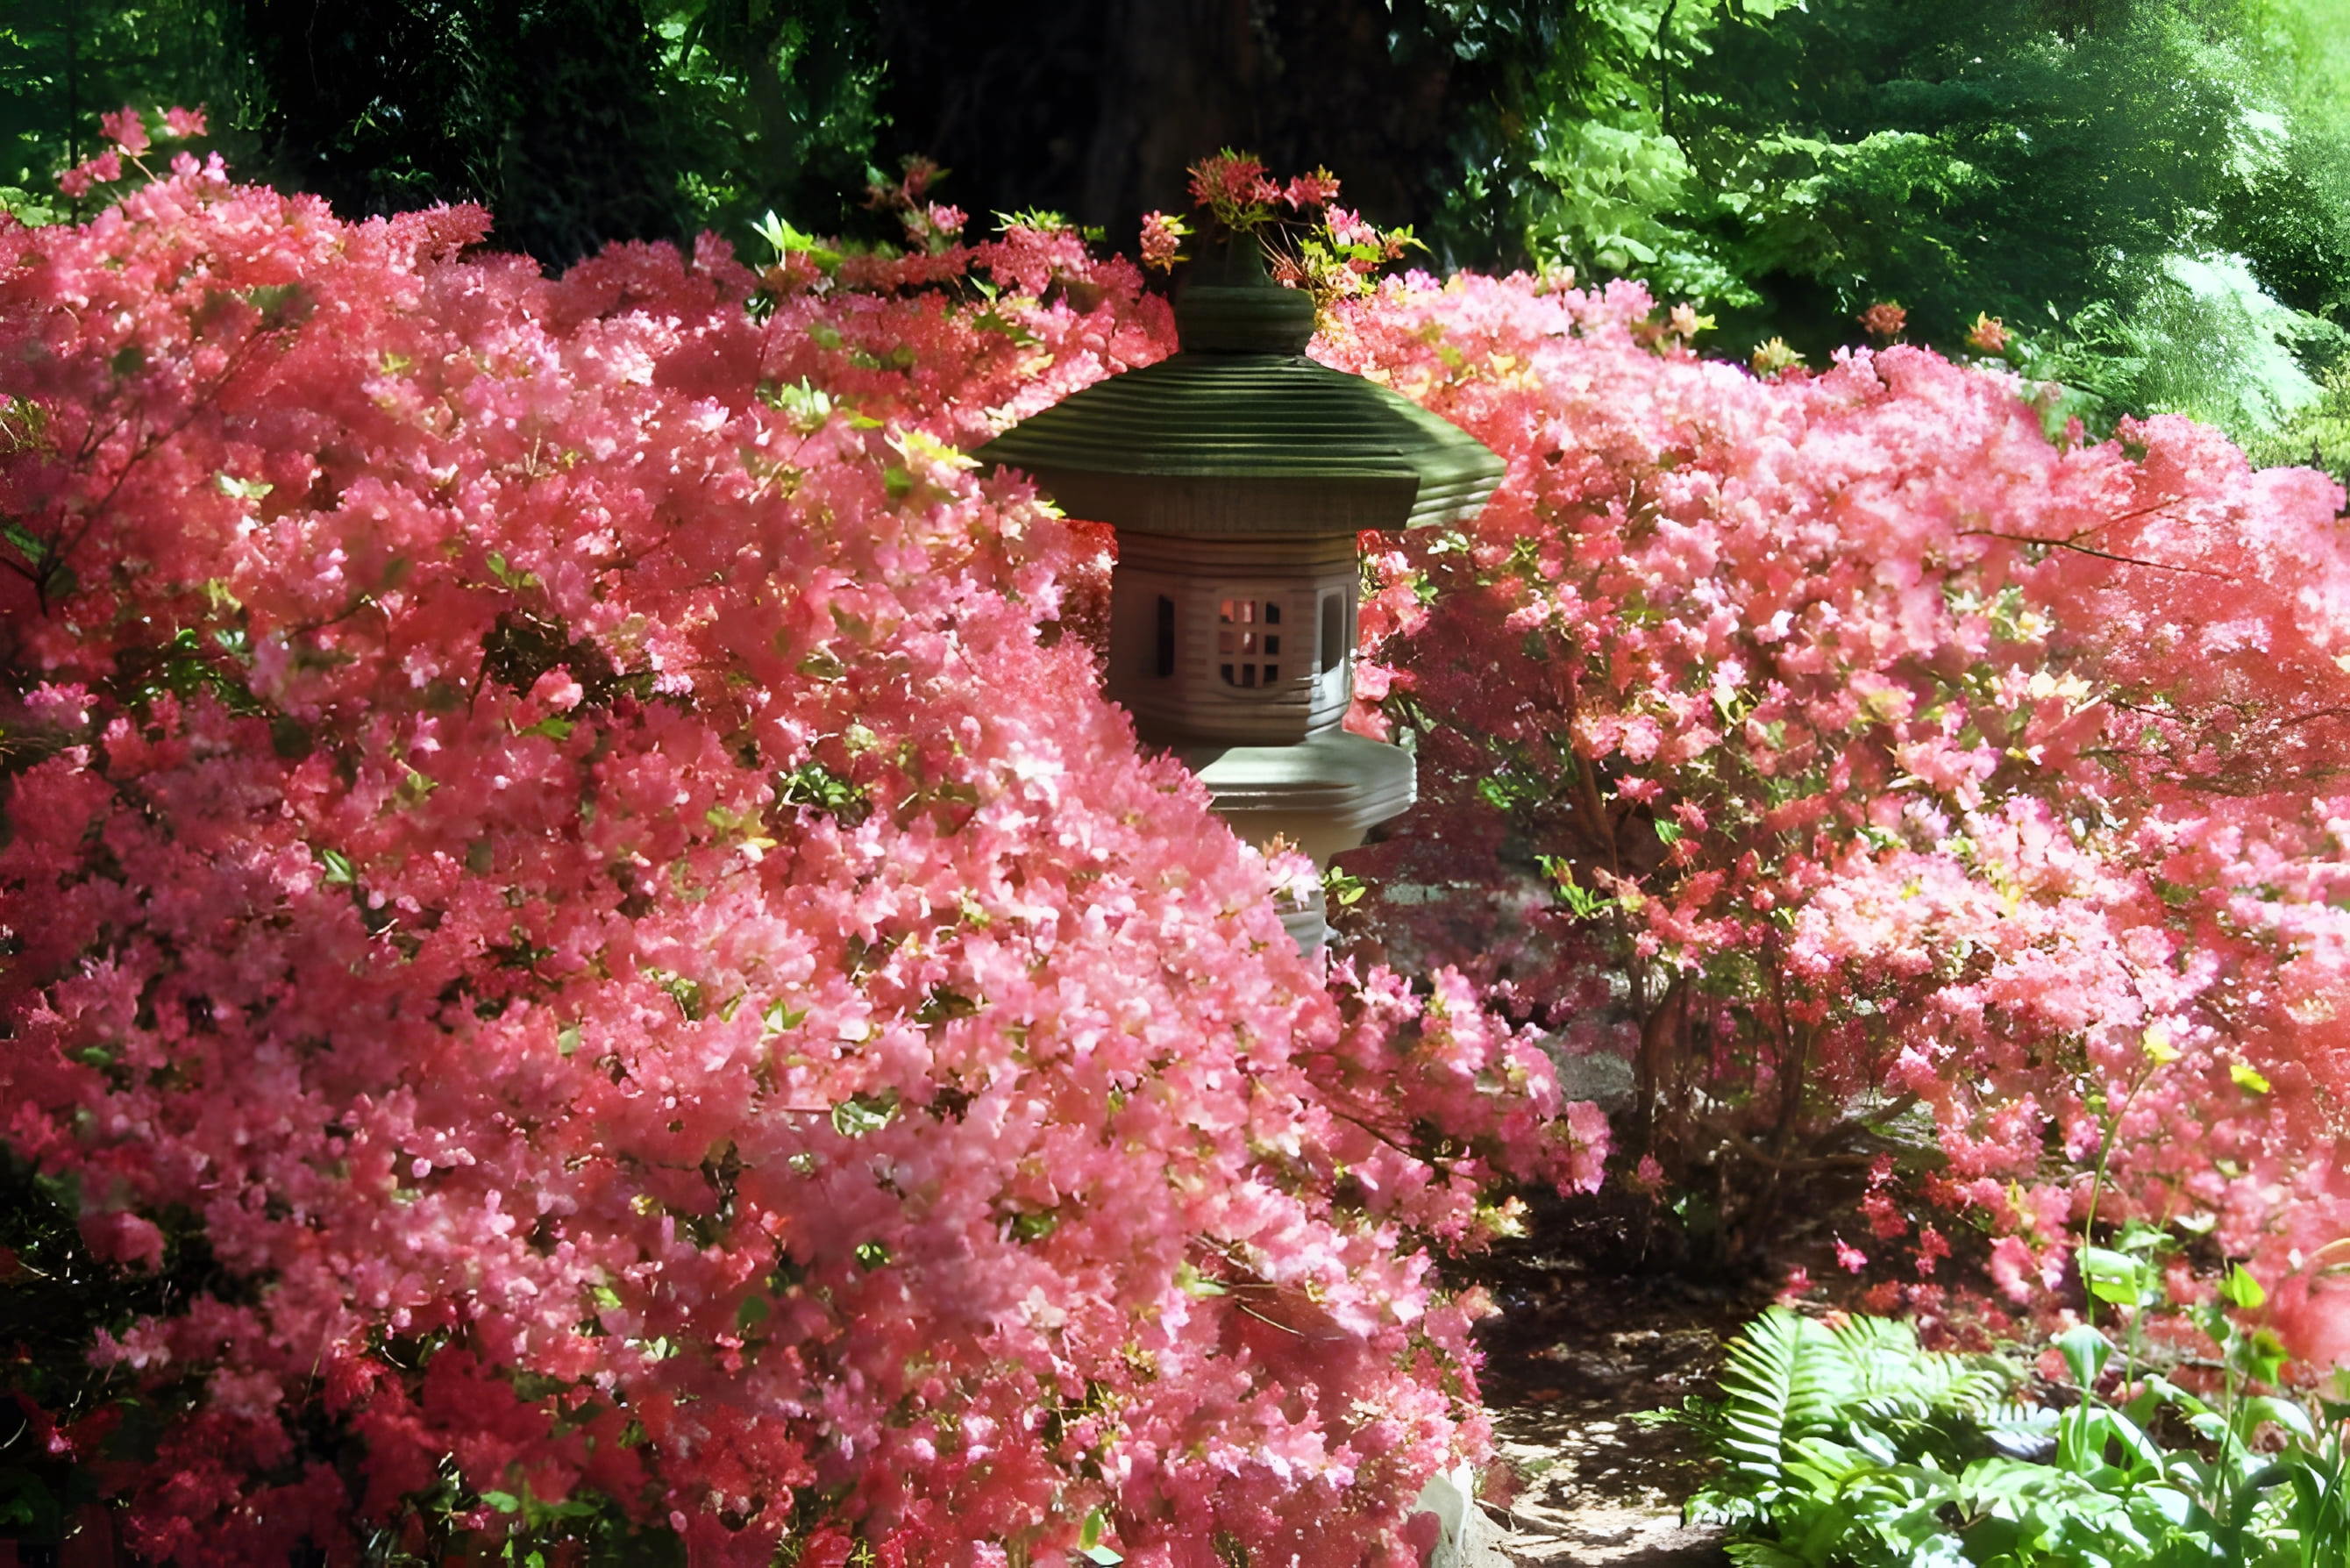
x=1334 y=631
x=1249 y=658
x=1163 y=652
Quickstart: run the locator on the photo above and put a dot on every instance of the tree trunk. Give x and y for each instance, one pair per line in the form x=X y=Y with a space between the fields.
x=1095 y=108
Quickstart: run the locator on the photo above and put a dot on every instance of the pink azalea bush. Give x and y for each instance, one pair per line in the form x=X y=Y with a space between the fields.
x=1843 y=749
x=566 y=878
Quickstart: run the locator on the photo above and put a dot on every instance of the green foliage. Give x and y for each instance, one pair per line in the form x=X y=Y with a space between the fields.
x=2152 y=195
x=779 y=102
x=65 y=62
x=575 y=121
x=1847 y=1445
x=1580 y=164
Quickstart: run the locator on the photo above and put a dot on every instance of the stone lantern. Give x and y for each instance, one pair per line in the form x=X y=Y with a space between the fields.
x=1237 y=474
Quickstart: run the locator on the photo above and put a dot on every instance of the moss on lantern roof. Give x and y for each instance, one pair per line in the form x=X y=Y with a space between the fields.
x=1239 y=434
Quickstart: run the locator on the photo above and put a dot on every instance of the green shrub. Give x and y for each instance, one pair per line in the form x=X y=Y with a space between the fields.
x=1845 y=1444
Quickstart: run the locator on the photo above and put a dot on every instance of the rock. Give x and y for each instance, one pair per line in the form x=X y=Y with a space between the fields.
x=1468 y=1538
x=1600 y=1077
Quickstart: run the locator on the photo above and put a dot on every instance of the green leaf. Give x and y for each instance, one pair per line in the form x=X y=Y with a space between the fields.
x=2114 y=1277
x=862 y=1114
x=990 y=321
x=2085 y=1352
x=29 y=544
x=786 y=241
x=1193 y=1282
x=279 y=303
x=1758 y=1386
x=2241 y=1290
x=2284 y=1413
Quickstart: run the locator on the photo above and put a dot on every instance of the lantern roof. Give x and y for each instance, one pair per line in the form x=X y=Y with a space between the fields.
x=1239 y=434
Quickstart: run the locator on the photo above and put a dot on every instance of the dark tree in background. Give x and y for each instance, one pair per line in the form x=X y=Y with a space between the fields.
x=579 y=122
x=2153 y=194
x=1093 y=108
x=549 y=112
x=65 y=62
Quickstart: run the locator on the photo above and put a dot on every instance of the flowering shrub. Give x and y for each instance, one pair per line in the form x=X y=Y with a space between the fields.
x=1844 y=747
x=565 y=885
x=1310 y=242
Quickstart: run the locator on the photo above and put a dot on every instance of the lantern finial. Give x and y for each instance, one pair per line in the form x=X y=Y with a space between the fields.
x=1229 y=305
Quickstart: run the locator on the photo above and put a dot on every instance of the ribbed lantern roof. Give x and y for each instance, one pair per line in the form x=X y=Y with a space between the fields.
x=1238 y=434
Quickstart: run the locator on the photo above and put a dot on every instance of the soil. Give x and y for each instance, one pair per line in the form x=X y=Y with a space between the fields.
x=1591 y=1334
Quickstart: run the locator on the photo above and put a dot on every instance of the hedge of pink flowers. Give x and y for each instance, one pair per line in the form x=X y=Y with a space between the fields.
x=563 y=842
x=1844 y=746
x=555 y=833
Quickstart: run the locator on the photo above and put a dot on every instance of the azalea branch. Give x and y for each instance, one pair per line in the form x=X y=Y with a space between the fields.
x=2080 y=549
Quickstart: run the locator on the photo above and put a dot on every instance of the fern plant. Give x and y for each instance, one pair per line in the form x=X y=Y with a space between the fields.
x=1846 y=1444
x=1836 y=1435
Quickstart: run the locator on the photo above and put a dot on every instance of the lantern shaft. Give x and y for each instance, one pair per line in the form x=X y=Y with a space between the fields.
x=1239 y=641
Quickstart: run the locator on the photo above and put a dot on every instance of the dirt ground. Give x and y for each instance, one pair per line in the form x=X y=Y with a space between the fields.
x=1588 y=1337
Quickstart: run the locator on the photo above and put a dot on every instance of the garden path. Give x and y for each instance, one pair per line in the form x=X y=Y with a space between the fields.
x=1586 y=1339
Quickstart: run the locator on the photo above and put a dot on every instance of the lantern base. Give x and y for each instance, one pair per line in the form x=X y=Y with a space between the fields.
x=1321 y=794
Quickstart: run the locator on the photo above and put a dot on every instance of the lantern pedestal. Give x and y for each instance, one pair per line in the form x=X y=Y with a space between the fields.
x=1322 y=794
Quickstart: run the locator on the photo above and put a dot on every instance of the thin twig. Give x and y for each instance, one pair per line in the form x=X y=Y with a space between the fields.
x=2089 y=550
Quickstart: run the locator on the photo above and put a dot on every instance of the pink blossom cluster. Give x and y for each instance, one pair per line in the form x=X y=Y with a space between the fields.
x=125 y=130
x=1884 y=320
x=1162 y=243
x=558 y=837
x=1236 y=189
x=1846 y=744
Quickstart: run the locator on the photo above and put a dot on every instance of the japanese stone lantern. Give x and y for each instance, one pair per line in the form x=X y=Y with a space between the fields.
x=1237 y=474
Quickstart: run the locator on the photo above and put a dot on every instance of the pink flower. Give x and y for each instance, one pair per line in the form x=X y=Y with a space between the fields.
x=2014 y=1269
x=1234 y=186
x=184 y=122
x=1162 y=238
x=1850 y=1259
x=557 y=690
x=1933 y=1247
x=1348 y=228
x=104 y=169
x=1683 y=321
x=116 y=1237
x=1316 y=190
x=126 y=130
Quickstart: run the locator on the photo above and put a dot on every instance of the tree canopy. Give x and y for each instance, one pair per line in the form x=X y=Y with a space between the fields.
x=2147 y=195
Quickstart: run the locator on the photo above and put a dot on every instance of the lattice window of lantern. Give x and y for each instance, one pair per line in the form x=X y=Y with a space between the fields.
x=1248 y=643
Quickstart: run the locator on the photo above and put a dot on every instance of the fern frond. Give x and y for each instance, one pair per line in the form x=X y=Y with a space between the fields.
x=1758 y=1387
x=1762 y=1554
